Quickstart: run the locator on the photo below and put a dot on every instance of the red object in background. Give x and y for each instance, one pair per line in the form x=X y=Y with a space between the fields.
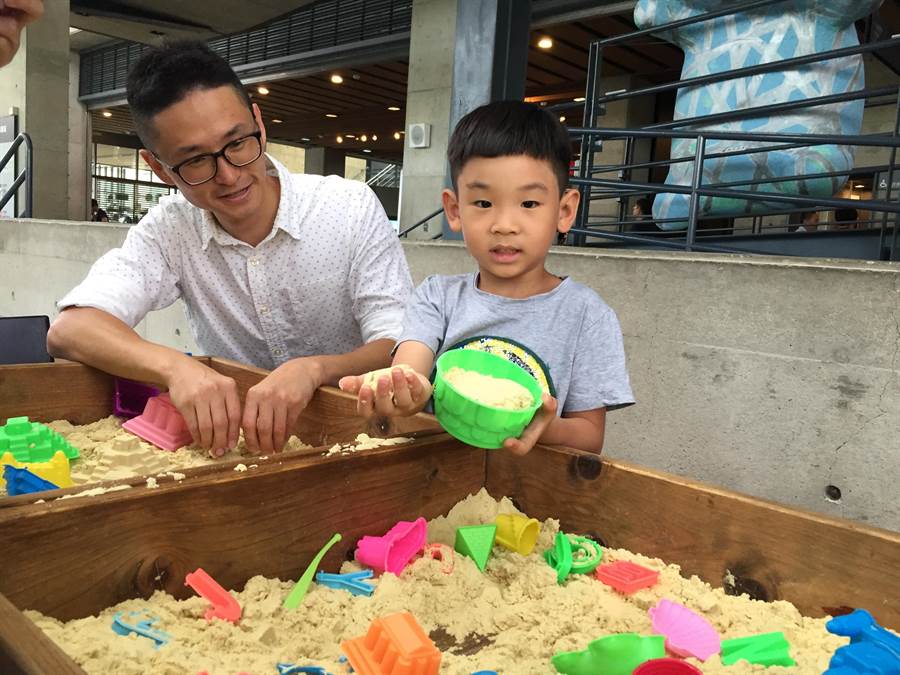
x=626 y=577
x=667 y=666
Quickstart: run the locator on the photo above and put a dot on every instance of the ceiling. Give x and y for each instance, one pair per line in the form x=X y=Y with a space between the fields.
x=361 y=101
x=152 y=20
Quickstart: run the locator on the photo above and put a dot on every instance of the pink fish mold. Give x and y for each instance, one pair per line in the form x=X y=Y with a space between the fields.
x=687 y=633
x=393 y=551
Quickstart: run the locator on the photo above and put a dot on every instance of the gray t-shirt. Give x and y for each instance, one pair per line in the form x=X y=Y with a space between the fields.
x=569 y=339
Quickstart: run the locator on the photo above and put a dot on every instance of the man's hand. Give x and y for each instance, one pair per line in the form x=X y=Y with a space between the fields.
x=544 y=417
x=273 y=406
x=396 y=392
x=14 y=16
x=209 y=403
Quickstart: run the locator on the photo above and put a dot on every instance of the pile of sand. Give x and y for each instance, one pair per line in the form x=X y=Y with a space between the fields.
x=512 y=618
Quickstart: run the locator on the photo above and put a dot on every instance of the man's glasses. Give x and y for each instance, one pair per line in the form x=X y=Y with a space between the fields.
x=202 y=168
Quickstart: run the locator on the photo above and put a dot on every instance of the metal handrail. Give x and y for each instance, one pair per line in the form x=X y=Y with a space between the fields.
x=421 y=222
x=24 y=176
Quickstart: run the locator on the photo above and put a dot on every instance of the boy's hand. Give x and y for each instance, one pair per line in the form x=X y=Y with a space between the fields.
x=533 y=432
x=392 y=392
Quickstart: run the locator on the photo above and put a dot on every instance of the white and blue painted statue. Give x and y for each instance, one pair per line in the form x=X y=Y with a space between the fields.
x=779 y=31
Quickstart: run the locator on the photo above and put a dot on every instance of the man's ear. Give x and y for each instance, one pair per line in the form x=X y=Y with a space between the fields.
x=568 y=208
x=451 y=209
x=157 y=168
x=257 y=115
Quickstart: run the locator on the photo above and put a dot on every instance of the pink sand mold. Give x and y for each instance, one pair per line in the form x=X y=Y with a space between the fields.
x=224 y=605
x=160 y=424
x=687 y=633
x=393 y=551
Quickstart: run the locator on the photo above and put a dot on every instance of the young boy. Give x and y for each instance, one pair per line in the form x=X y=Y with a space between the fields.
x=509 y=165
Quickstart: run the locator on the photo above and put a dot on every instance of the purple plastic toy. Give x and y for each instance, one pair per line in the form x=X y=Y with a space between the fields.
x=131 y=397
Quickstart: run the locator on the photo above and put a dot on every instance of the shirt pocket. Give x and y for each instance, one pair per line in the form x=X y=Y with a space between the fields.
x=320 y=316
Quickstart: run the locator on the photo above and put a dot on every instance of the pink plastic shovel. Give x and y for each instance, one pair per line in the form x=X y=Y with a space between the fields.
x=393 y=551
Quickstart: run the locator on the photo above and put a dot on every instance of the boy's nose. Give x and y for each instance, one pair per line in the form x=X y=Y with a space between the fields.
x=504 y=223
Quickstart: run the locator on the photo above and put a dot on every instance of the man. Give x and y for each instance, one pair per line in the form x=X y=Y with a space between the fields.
x=14 y=16
x=98 y=215
x=302 y=274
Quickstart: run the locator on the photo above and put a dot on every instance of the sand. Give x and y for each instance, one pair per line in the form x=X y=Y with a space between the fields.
x=497 y=392
x=511 y=619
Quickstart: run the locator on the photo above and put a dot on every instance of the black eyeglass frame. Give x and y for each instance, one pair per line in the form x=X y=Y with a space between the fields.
x=215 y=157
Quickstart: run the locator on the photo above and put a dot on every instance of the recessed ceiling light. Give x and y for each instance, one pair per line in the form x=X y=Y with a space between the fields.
x=580 y=99
x=859 y=186
x=366 y=150
x=275 y=120
x=349 y=136
x=337 y=79
x=393 y=108
x=106 y=113
x=340 y=139
x=545 y=42
x=263 y=90
x=305 y=139
x=331 y=115
x=364 y=138
x=374 y=137
x=562 y=118
x=396 y=135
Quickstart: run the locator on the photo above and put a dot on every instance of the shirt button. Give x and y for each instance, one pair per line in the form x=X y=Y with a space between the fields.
x=254 y=261
x=277 y=352
x=263 y=309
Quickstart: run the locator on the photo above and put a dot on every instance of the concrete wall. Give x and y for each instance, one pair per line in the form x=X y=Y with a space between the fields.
x=773 y=376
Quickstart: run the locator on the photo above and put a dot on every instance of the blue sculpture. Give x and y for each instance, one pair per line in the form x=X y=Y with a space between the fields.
x=779 y=31
x=872 y=650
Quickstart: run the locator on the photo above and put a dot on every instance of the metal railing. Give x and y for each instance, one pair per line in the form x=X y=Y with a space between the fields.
x=420 y=223
x=23 y=177
x=756 y=205
x=389 y=176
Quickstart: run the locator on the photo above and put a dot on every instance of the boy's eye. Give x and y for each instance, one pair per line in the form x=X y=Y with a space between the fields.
x=482 y=203
x=530 y=204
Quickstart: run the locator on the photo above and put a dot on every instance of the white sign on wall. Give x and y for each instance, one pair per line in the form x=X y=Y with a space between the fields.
x=8 y=132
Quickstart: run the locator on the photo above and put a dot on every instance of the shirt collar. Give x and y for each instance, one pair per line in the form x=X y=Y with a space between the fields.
x=211 y=230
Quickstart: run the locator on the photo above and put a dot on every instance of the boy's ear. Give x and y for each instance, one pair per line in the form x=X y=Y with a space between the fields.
x=157 y=167
x=451 y=209
x=568 y=208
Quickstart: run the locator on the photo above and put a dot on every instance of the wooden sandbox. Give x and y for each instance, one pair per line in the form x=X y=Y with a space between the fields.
x=72 y=558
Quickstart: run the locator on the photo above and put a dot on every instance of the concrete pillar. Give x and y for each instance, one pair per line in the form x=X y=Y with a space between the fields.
x=37 y=84
x=462 y=54
x=80 y=149
x=324 y=161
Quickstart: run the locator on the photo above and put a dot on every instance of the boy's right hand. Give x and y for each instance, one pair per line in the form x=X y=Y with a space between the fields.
x=391 y=392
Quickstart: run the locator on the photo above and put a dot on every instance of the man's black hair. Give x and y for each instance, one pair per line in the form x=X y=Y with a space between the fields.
x=845 y=215
x=165 y=75
x=505 y=128
x=644 y=204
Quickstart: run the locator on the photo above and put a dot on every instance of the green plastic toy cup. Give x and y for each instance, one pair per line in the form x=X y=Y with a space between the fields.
x=475 y=423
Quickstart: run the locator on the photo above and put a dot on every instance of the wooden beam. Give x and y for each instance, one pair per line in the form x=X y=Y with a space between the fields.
x=75 y=557
x=26 y=650
x=773 y=552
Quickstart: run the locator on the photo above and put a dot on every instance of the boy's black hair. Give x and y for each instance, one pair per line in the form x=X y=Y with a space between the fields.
x=506 y=128
x=165 y=75
x=644 y=204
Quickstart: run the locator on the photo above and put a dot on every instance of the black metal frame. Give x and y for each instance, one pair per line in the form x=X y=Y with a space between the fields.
x=24 y=176
x=591 y=138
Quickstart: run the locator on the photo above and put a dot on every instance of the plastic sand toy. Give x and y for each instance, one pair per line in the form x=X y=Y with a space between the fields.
x=393 y=551
x=32 y=442
x=55 y=470
x=560 y=557
x=611 y=655
x=626 y=577
x=517 y=532
x=394 y=645
x=352 y=581
x=687 y=633
x=160 y=424
x=291 y=669
x=224 y=605
x=23 y=482
x=130 y=397
x=582 y=557
x=667 y=666
x=768 y=649
x=298 y=592
x=872 y=649
x=472 y=422
x=442 y=553
x=476 y=542
x=131 y=622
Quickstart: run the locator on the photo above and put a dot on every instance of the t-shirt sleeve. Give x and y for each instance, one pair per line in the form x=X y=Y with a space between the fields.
x=379 y=276
x=599 y=374
x=424 y=320
x=130 y=281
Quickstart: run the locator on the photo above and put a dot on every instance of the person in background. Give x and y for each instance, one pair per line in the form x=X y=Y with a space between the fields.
x=14 y=16
x=809 y=223
x=98 y=215
x=845 y=219
x=642 y=214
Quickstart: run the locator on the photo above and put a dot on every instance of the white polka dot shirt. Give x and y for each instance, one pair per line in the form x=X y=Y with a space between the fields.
x=329 y=277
